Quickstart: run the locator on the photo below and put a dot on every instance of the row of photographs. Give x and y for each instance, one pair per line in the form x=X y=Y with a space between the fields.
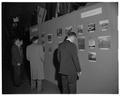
x=91 y=29
x=104 y=25
x=104 y=43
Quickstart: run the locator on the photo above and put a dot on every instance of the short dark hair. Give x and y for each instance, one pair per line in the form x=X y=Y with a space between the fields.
x=17 y=38
x=34 y=38
x=65 y=38
x=72 y=34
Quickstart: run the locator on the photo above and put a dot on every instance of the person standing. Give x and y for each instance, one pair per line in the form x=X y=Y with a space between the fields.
x=69 y=64
x=17 y=60
x=35 y=55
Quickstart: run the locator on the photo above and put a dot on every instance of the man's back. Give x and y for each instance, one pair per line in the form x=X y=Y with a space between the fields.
x=67 y=55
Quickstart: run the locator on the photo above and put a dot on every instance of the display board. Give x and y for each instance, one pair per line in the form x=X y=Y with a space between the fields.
x=96 y=29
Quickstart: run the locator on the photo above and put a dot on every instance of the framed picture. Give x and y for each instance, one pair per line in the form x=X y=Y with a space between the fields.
x=104 y=25
x=91 y=43
x=80 y=29
x=91 y=27
x=50 y=36
x=43 y=38
x=104 y=42
x=92 y=56
x=59 y=32
x=81 y=43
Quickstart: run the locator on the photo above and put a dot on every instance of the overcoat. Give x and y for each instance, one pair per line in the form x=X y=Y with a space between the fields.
x=35 y=55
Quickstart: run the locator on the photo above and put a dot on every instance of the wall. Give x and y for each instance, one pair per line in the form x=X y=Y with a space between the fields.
x=97 y=77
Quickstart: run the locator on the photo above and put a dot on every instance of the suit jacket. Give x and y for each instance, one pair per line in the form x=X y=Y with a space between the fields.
x=68 y=58
x=17 y=55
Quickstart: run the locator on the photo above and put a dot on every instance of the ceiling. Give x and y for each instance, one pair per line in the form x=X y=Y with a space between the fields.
x=25 y=11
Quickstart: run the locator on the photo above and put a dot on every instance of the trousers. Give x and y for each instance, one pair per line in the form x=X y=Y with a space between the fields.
x=36 y=83
x=17 y=75
x=68 y=84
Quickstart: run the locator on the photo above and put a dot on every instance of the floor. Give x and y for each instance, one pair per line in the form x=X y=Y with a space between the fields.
x=9 y=88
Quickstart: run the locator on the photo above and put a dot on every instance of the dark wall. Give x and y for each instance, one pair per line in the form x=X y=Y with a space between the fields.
x=97 y=77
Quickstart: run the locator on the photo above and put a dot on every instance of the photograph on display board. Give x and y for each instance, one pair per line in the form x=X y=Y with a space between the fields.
x=81 y=43
x=92 y=56
x=59 y=32
x=43 y=38
x=68 y=29
x=50 y=38
x=104 y=24
x=91 y=27
x=91 y=43
x=42 y=35
x=80 y=29
x=104 y=42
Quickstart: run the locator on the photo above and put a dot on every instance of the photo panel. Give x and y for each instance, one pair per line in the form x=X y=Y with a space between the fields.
x=50 y=37
x=81 y=43
x=104 y=25
x=104 y=42
x=91 y=28
x=92 y=56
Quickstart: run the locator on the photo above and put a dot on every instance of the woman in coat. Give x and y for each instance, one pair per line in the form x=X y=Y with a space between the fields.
x=35 y=55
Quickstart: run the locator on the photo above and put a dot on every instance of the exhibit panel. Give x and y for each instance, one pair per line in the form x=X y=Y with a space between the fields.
x=100 y=70
x=97 y=32
x=51 y=28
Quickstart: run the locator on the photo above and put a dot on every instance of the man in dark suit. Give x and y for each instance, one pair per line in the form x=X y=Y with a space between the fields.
x=17 y=60
x=69 y=64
